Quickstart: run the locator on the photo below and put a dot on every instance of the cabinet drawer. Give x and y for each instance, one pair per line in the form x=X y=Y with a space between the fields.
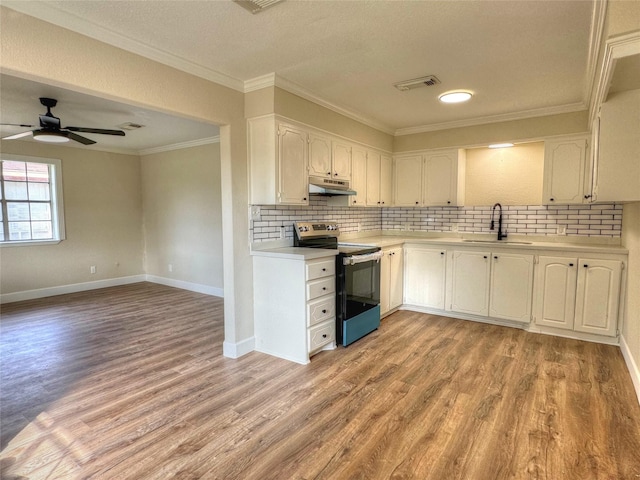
x=322 y=334
x=317 y=288
x=321 y=269
x=321 y=309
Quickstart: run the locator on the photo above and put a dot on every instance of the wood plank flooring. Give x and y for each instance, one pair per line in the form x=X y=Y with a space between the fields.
x=130 y=383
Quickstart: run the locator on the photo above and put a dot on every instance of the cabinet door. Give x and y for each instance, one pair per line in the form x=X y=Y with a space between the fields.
x=511 y=287
x=395 y=278
x=597 y=296
x=319 y=156
x=470 y=282
x=386 y=182
x=358 y=177
x=564 y=170
x=425 y=270
x=440 y=175
x=293 y=187
x=408 y=181
x=555 y=295
x=373 y=179
x=341 y=161
x=385 y=276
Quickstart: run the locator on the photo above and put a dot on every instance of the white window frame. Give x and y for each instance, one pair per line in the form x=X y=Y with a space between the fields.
x=57 y=203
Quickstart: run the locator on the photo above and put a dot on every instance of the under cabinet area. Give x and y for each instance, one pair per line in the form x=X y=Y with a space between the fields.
x=391 y=284
x=578 y=294
x=294 y=306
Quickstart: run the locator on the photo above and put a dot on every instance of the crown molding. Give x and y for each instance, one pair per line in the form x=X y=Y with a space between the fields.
x=179 y=146
x=46 y=12
x=596 y=35
x=264 y=81
x=615 y=47
x=505 y=117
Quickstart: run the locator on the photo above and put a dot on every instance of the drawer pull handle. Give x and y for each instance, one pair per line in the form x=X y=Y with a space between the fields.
x=484 y=256
x=495 y=257
x=441 y=253
x=324 y=269
x=324 y=288
x=324 y=311
x=586 y=266
x=571 y=264
x=324 y=335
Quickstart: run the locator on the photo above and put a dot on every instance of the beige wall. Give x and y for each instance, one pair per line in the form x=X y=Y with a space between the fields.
x=631 y=240
x=183 y=215
x=477 y=135
x=42 y=52
x=297 y=108
x=623 y=16
x=510 y=176
x=103 y=219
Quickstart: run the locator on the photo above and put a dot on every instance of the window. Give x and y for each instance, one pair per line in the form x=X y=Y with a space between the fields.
x=31 y=196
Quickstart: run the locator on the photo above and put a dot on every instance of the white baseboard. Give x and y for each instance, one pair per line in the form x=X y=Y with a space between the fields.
x=109 y=282
x=72 y=288
x=192 y=287
x=236 y=350
x=631 y=365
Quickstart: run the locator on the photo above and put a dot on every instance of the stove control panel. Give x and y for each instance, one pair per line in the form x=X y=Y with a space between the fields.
x=316 y=229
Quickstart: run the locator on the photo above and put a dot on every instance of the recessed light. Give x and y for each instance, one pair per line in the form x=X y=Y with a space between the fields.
x=455 y=97
x=501 y=145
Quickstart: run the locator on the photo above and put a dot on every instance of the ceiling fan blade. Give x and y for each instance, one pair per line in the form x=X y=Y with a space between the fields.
x=80 y=139
x=17 y=125
x=101 y=131
x=18 y=135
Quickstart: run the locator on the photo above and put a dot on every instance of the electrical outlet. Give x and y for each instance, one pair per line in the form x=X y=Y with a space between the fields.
x=359 y=227
x=282 y=231
x=561 y=230
x=454 y=228
x=255 y=212
x=170 y=267
x=92 y=269
x=407 y=226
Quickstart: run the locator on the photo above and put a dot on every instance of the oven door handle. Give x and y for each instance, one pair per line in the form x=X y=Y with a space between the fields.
x=367 y=257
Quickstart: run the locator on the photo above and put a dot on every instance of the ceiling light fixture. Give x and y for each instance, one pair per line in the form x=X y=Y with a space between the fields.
x=501 y=145
x=50 y=137
x=455 y=97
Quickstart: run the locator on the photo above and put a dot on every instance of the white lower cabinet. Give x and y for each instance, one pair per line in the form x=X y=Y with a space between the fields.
x=391 y=284
x=579 y=294
x=294 y=306
x=425 y=274
x=492 y=284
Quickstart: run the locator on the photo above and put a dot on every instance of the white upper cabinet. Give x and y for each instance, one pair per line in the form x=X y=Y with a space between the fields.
x=443 y=182
x=341 y=160
x=359 y=177
x=379 y=174
x=278 y=162
x=407 y=185
x=386 y=182
x=617 y=159
x=319 y=156
x=564 y=171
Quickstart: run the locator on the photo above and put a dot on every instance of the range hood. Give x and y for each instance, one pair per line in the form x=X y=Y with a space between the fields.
x=329 y=187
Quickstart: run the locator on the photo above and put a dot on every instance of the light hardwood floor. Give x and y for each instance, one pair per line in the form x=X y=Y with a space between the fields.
x=130 y=383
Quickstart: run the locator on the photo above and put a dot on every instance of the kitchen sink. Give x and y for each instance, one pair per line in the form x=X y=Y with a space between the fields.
x=498 y=242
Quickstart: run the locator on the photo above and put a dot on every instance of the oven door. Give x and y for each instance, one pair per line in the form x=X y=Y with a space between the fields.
x=358 y=296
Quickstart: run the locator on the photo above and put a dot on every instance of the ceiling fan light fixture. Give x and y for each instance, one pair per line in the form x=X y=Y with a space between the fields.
x=50 y=137
x=458 y=96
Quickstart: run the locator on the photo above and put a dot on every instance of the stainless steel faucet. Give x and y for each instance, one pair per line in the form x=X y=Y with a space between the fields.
x=493 y=211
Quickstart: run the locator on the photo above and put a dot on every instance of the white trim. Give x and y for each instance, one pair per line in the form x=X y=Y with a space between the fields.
x=615 y=48
x=235 y=350
x=72 y=288
x=504 y=117
x=264 y=81
x=51 y=14
x=596 y=33
x=634 y=371
x=192 y=287
x=179 y=146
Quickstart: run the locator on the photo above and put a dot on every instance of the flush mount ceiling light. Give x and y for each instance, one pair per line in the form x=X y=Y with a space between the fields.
x=256 y=6
x=455 y=97
x=427 y=81
x=501 y=145
x=50 y=136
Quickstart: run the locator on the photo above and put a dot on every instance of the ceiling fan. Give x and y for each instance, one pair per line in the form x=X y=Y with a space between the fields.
x=50 y=130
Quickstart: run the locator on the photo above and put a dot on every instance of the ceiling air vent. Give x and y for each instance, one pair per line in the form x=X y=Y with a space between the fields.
x=427 y=81
x=256 y=6
x=130 y=126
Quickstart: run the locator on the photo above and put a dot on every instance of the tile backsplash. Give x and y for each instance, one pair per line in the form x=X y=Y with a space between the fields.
x=602 y=220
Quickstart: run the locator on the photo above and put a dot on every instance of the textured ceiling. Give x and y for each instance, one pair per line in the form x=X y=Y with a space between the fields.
x=520 y=58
